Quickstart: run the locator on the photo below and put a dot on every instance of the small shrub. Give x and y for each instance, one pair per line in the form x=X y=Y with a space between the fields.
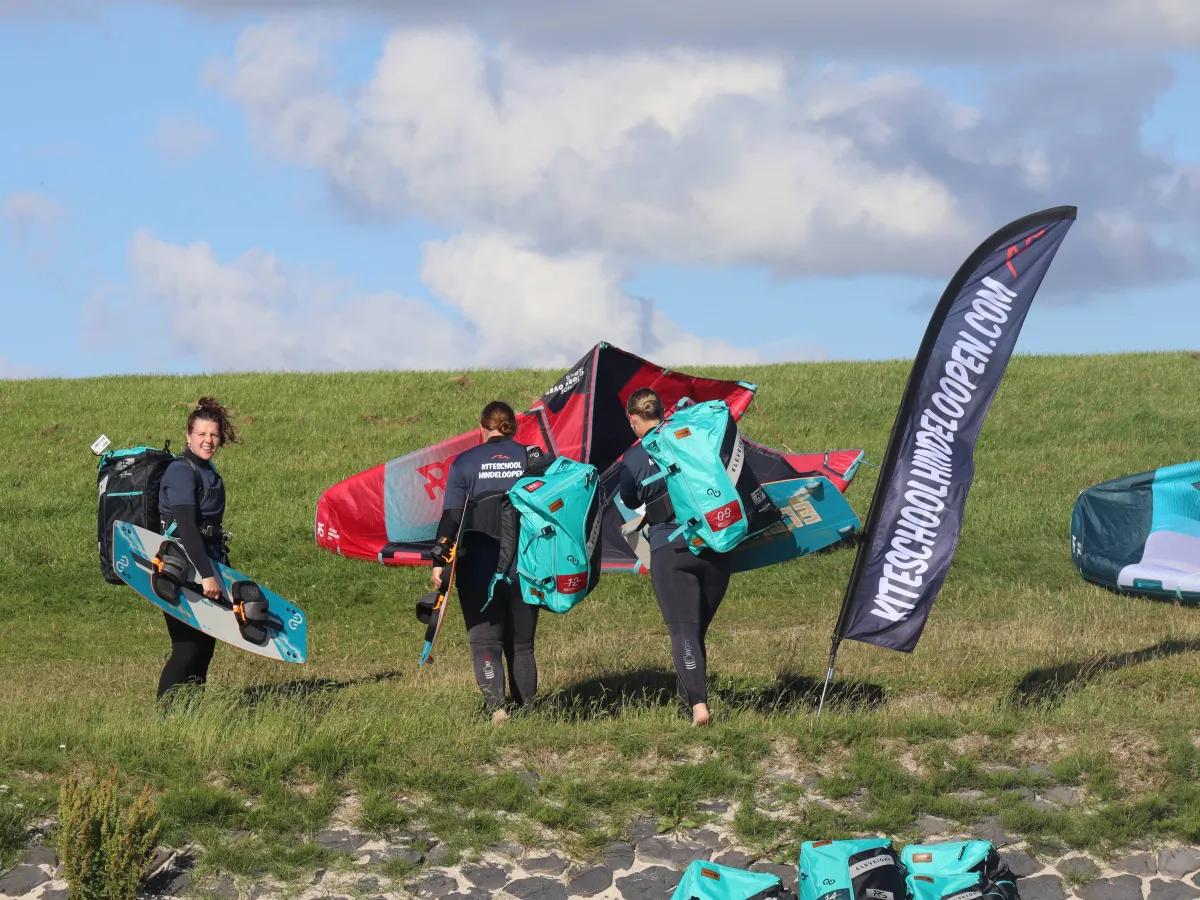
x=105 y=845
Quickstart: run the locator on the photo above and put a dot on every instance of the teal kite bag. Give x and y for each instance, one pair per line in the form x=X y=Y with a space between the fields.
x=717 y=499
x=710 y=881
x=558 y=543
x=963 y=870
x=864 y=869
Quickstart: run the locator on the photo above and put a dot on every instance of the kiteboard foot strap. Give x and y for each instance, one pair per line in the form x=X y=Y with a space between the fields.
x=170 y=569
x=250 y=609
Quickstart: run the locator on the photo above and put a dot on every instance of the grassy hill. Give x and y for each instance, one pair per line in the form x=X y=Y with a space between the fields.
x=1021 y=662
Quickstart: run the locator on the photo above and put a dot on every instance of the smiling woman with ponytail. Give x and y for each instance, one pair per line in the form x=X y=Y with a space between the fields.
x=191 y=502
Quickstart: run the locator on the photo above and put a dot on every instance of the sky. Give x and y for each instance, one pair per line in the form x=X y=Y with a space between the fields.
x=300 y=185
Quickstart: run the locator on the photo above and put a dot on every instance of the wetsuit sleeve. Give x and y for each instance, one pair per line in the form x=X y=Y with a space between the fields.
x=448 y=524
x=454 y=502
x=631 y=487
x=189 y=536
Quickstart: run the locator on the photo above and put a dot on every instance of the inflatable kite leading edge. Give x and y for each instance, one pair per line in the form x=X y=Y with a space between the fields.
x=1141 y=534
x=389 y=513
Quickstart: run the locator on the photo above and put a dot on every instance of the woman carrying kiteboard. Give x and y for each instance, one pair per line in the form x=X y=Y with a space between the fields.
x=504 y=626
x=191 y=500
x=689 y=586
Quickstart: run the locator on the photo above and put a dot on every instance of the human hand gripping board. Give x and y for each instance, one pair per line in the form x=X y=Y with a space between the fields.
x=815 y=516
x=272 y=626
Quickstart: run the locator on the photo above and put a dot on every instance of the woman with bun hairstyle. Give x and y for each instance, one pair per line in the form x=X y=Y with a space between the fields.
x=476 y=486
x=689 y=587
x=191 y=499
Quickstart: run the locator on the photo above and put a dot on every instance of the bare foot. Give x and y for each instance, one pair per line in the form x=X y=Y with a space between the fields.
x=700 y=714
x=499 y=716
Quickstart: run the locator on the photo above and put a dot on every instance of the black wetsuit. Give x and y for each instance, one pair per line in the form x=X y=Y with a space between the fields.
x=689 y=588
x=507 y=626
x=192 y=512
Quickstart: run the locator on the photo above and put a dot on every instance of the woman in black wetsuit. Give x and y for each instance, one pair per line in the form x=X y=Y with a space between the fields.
x=476 y=484
x=192 y=499
x=689 y=587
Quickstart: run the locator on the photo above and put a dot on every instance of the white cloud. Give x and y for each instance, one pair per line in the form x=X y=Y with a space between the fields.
x=517 y=308
x=181 y=138
x=530 y=309
x=702 y=158
x=683 y=157
x=35 y=220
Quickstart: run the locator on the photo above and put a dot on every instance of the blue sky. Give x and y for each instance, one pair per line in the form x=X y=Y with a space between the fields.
x=85 y=99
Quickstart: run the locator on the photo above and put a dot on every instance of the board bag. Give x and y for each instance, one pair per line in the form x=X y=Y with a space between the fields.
x=864 y=869
x=710 y=881
x=127 y=482
x=960 y=870
x=717 y=499
x=554 y=533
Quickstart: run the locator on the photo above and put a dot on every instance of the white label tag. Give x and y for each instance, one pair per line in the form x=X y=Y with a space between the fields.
x=100 y=445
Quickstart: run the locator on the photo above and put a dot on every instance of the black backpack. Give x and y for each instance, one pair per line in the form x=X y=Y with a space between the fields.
x=127 y=482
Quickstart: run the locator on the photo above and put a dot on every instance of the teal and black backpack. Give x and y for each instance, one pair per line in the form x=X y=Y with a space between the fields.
x=710 y=881
x=555 y=535
x=961 y=870
x=717 y=499
x=866 y=869
x=127 y=482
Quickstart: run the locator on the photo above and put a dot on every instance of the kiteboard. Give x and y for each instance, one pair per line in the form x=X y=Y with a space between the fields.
x=443 y=596
x=815 y=515
x=134 y=551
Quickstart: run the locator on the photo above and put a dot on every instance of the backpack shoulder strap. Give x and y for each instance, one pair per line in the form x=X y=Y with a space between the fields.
x=201 y=489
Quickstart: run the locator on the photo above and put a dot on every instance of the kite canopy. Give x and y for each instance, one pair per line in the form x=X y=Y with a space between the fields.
x=1141 y=534
x=389 y=513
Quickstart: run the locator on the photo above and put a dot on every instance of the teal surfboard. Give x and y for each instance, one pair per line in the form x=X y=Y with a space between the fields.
x=815 y=516
x=134 y=550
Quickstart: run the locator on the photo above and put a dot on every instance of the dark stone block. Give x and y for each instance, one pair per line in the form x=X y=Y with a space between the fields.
x=654 y=883
x=536 y=889
x=22 y=880
x=590 y=882
x=339 y=840
x=618 y=855
x=491 y=878
x=1044 y=887
x=1022 y=864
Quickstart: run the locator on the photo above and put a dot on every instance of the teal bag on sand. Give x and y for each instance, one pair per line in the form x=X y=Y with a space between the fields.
x=710 y=881
x=864 y=869
x=963 y=870
x=969 y=886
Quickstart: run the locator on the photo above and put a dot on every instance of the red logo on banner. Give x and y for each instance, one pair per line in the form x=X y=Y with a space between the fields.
x=435 y=477
x=571 y=584
x=1017 y=248
x=724 y=516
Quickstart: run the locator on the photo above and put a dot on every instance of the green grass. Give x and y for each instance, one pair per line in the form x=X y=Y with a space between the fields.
x=1021 y=662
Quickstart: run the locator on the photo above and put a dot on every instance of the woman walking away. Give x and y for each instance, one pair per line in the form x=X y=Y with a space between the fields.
x=476 y=487
x=192 y=499
x=689 y=588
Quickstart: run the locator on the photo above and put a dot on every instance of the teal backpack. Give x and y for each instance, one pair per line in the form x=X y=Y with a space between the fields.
x=717 y=499
x=555 y=535
x=710 y=881
x=962 y=870
x=865 y=869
